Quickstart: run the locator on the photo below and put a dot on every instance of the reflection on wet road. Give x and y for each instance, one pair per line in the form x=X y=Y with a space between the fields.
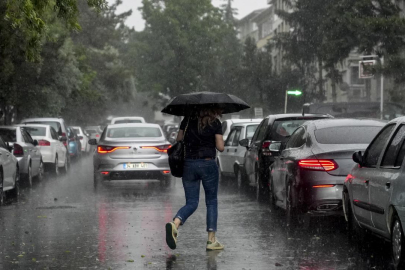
x=63 y=223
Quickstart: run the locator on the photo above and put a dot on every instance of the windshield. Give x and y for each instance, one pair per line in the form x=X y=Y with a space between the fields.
x=36 y=131
x=8 y=135
x=346 y=135
x=76 y=130
x=250 y=131
x=133 y=132
x=125 y=121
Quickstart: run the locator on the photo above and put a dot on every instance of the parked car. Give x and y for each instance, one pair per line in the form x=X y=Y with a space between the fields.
x=307 y=178
x=26 y=150
x=226 y=125
x=75 y=146
x=373 y=193
x=94 y=132
x=231 y=159
x=9 y=172
x=131 y=151
x=53 y=151
x=258 y=158
x=127 y=120
x=84 y=139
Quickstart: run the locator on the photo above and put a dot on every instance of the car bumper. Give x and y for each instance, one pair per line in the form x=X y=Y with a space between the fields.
x=23 y=164
x=114 y=169
x=47 y=154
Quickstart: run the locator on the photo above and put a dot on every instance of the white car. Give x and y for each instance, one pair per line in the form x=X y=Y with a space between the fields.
x=227 y=124
x=9 y=172
x=127 y=120
x=54 y=153
x=231 y=159
x=84 y=139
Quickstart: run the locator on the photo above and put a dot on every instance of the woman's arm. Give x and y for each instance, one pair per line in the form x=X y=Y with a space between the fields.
x=180 y=135
x=219 y=142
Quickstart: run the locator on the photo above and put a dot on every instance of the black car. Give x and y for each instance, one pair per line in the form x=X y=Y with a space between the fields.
x=308 y=175
x=258 y=158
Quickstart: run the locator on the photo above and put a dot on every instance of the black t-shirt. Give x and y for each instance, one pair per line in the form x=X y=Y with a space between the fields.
x=200 y=145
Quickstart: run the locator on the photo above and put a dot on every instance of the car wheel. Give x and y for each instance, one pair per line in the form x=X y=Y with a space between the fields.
x=260 y=192
x=272 y=196
x=238 y=175
x=290 y=209
x=16 y=191
x=397 y=242
x=29 y=176
x=66 y=165
x=56 y=166
x=1 y=188
x=40 y=175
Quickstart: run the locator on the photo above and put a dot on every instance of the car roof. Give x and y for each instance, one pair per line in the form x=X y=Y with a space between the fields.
x=133 y=125
x=244 y=120
x=32 y=125
x=75 y=127
x=297 y=115
x=245 y=124
x=398 y=120
x=127 y=117
x=44 y=119
x=346 y=122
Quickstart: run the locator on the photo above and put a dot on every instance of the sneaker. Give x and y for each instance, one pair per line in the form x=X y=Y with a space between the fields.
x=171 y=235
x=214 y=245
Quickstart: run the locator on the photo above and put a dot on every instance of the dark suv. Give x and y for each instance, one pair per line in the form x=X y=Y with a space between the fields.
x=258 y=158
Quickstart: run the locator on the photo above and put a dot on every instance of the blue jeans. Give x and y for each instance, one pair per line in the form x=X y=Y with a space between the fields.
x=195 y=171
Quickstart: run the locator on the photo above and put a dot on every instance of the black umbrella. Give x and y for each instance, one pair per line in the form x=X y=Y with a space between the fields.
x=183 y=104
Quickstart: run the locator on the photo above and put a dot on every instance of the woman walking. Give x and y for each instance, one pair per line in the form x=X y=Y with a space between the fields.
x=202 y=134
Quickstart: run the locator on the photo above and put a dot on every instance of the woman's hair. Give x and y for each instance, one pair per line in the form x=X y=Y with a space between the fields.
x=207 y=116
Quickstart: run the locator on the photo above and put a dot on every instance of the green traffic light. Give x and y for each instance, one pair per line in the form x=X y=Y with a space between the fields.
x=294 y=92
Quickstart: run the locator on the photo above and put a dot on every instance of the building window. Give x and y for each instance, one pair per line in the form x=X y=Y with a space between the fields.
x=354 y=76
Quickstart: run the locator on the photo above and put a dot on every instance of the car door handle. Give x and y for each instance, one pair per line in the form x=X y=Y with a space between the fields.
x=388 y=185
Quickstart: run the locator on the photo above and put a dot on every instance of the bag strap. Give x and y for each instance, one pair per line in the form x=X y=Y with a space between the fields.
x=184 y=135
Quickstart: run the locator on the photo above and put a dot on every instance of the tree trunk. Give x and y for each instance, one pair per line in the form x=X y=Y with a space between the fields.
x=320 y=82
x=334 y=95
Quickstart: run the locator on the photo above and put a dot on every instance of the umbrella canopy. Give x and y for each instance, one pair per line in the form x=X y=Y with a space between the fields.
x=183 y=104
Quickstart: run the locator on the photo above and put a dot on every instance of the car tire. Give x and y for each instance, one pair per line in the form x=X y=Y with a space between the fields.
x=397 y=244
x=66 y=166
x=40 y=175
x=291 y=215
x=239 y=178
x=272 y=196
x=56 y=167
x=1 y=188
x=29 y=176
x=260 y=191
x=16 y=190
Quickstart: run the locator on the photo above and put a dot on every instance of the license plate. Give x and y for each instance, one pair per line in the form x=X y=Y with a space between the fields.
x=135 y=166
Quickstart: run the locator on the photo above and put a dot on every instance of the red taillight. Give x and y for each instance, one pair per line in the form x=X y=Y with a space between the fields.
x=97 y=135
x=266 y=145
x=323 y=186
x=108 y=149
x=166 y=172
x=72 y=139
x=318 y=165
x=160 y=148
x=18 y=151
x=44 y=143
x=105 y=173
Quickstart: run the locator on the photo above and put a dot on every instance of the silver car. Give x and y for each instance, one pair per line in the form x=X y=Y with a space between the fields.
x=25 y=149
x=9 y=173
x=231 y=159
x=131 y=151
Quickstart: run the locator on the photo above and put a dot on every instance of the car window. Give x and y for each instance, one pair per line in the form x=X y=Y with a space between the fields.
x=257 y=131
x=127 y=121
x=229 y=140
x=298 y=139
x=392 y=150
x=54 y=135
x=8 y=135
x=56 y=125
x=27 y=136
x=373 y=152
x=236 y=139
x=250 y=131
x=224 y=126
x=36 y=131
x=134 y=132
x=262 y=131
x=76 y=130
x=346 y=135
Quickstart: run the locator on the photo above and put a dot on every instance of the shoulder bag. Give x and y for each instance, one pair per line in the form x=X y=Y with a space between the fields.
x=177 y=155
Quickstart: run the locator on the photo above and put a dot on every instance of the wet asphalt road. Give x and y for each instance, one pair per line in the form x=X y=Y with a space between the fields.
x=63 y=223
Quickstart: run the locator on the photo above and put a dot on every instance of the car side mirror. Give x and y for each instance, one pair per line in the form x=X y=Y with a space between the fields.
x=244 y=143
x=62 y=138
x=93 y=142
x=358 y=158
x=35 y=142
x=275 y=147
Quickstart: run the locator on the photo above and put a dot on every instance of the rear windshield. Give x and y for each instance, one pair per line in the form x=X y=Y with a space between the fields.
x=127 y=121
x=133 y=132
x=346 y=135
x=36 y=131
x=77 y=130
x=55 y=125
x=8 y=135
x=283 y=128
x=250 y=131
x=91 y=131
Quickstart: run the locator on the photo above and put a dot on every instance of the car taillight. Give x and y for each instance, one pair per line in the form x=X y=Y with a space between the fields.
x=44 y=143
x=72 y=139
x=266 y=148
x=318 y=165
x=97 y=135
x=64 y=134
x=108 y=149
x=160 y=148
x=18 y=151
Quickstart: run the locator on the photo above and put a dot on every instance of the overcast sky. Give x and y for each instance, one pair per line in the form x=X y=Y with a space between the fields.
x=244 y=8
